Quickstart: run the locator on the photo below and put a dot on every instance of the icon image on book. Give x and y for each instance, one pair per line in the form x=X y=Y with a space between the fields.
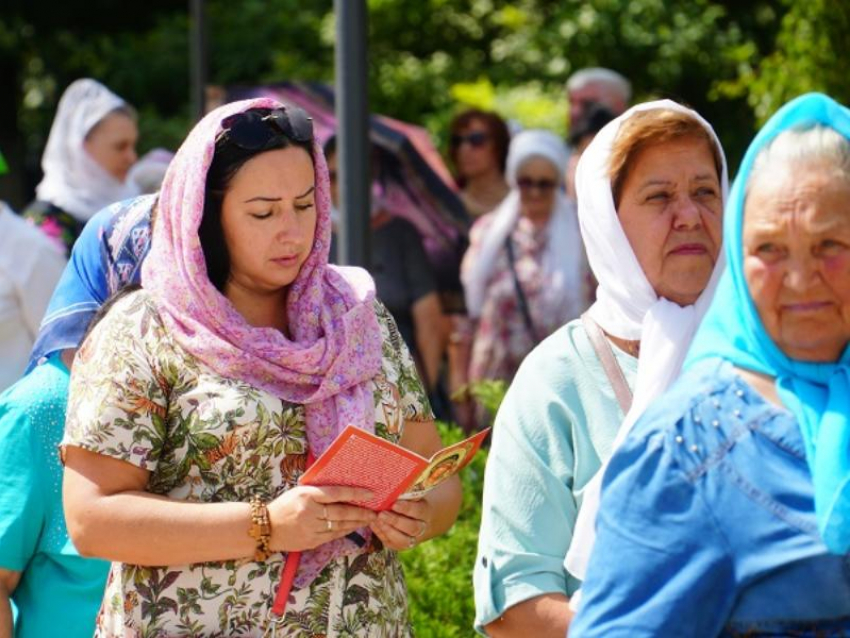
x=443 y=465
x=361 y=459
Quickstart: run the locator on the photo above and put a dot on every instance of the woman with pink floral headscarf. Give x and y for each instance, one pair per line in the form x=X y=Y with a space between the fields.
x=196 y=402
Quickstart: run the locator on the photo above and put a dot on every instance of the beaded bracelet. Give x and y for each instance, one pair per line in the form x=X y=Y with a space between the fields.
x=261 y=529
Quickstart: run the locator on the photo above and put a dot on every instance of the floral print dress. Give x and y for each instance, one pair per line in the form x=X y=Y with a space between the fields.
x=502 y=339
x=137 y=396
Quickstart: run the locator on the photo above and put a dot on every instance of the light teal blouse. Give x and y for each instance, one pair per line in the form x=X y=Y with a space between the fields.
x=554 y=428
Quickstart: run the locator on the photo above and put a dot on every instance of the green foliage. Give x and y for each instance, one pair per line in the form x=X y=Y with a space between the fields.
x=533 y=104
x=735 y=61
x=439 y=572
x=142 y=53
x=489 y=393
x=811 y=51
x=434 y=57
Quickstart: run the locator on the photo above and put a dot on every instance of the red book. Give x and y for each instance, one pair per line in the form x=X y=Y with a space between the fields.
x=391 y=472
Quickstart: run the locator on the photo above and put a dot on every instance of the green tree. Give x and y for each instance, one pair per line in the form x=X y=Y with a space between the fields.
x=141 y=51
x=810 y=53
x=436 y=56
x=733 y=60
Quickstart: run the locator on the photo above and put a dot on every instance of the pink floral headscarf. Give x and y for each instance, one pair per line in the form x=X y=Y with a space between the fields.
x=336 y=346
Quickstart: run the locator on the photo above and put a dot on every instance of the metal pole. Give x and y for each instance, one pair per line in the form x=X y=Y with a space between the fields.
x=198 y=70
x=352 y=114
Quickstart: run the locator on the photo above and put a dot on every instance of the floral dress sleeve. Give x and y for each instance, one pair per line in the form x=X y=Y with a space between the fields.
x=118 y=398
x=400 y=370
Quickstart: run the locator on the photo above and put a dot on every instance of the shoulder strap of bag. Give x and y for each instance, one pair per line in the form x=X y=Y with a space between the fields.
x=609 y=363
x=523 y=302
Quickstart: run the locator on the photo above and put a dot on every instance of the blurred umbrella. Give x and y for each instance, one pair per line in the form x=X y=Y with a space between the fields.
x=412 y=180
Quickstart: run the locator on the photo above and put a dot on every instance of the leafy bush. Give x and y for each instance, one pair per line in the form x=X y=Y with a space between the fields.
x=439 y=572
x=489 y=393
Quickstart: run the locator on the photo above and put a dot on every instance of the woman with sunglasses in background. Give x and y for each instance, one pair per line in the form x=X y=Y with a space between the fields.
x=524 y=274
x=197 y=401
x=478 y=148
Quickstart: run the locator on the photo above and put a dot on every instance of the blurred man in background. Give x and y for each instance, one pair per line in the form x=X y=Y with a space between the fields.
x=596 y=95
x=605 y=87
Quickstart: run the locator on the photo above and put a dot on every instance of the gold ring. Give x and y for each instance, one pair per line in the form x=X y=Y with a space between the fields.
x=330 y=525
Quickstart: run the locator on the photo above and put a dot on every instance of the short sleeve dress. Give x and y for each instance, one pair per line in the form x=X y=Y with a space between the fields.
x=502 y=337
x=139 y=397
x=707 y=524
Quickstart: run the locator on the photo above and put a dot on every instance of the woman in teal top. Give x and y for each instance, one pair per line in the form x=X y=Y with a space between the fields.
x=40 y=570
x=558 y=419
x=51 y=586
x=650 y=193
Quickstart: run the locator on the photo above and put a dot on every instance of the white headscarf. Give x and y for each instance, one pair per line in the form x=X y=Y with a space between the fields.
x=73 y=180
x=627 y=306
x=563 y=259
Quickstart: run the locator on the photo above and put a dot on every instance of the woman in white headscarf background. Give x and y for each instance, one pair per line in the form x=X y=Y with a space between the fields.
x=650 y=189
x=525 y=272
x=90 y=149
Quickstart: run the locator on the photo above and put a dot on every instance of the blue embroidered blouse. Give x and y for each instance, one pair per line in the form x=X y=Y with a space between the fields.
x=707 y=524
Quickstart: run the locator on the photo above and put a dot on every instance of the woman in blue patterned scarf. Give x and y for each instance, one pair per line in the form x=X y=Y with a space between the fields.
x=107 y=257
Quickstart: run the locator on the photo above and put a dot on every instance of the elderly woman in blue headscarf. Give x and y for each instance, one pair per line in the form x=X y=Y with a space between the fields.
x=726 y=512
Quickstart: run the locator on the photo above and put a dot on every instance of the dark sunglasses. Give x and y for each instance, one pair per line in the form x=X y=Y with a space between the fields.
x=476 y=139
x=254 y=132
x=542 y=185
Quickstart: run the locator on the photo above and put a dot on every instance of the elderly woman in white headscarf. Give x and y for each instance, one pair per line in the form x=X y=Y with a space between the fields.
x=90 y=150
x=524 y=274
x=650 y=189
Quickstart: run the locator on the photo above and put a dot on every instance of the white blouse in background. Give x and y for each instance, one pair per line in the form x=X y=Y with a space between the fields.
x=29 y=269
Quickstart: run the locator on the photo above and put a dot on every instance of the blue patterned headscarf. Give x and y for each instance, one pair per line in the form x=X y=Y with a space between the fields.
x=107 y=256
x=817 y=394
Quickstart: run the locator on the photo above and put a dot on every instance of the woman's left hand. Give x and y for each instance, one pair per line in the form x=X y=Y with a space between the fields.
x=405 y=525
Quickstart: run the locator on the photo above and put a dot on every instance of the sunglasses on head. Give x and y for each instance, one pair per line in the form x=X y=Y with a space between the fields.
x=254 y=132
x=542 y=185
x=475 y=139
